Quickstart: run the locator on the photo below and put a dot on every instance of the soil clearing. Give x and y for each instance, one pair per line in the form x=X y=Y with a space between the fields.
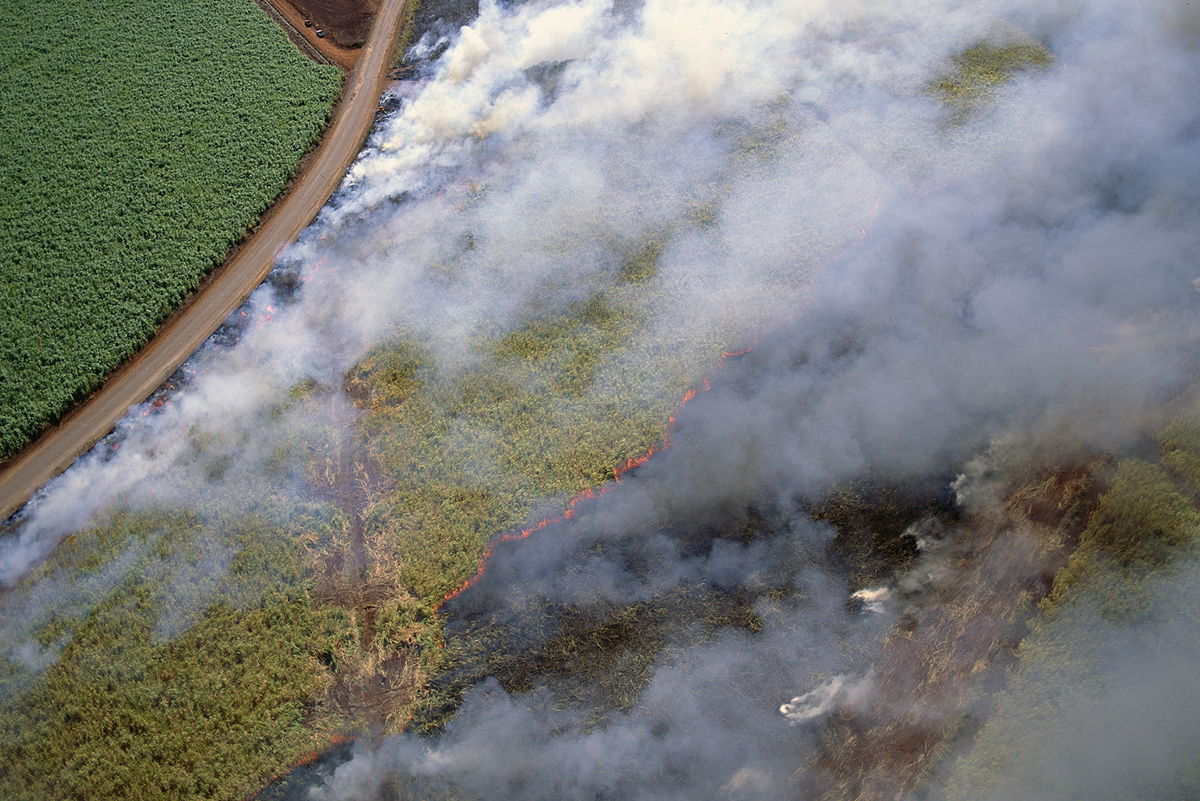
x=345 y=23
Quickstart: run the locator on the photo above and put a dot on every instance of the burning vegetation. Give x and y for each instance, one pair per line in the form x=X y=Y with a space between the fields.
x=500 y=505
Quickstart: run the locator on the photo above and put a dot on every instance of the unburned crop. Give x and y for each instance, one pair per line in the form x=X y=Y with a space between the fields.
x=138 y=142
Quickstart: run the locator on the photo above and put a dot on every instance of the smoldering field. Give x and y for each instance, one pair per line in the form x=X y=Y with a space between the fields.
x=926 y=277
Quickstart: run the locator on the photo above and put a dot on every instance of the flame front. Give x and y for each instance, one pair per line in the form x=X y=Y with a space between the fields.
x=638 y=461
x=593 y=492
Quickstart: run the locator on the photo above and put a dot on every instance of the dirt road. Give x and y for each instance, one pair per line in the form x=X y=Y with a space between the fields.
x=228 y=287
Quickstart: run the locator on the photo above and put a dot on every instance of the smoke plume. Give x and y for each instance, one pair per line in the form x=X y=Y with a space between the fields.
x=925 y=278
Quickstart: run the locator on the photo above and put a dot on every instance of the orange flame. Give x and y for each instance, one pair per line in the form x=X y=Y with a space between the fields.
x=304 y=761
x=510 y=536
x=593 y=492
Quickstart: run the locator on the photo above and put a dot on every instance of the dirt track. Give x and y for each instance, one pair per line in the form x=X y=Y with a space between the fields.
x=226 y=289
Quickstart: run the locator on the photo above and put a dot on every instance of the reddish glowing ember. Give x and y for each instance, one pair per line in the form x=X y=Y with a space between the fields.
x=263 y=319
x=567 y=514
x=306 y=760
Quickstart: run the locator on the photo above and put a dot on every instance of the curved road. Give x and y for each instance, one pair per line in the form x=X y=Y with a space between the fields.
x=228 y=286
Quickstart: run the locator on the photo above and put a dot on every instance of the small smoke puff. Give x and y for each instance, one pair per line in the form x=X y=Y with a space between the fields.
x=978 y=485
x=838 y=692
x=873 y=600
x=814 y=703
x=930 y=535
x=33 y=657
x=508 y=109
x=936 y=559
x=749 y=781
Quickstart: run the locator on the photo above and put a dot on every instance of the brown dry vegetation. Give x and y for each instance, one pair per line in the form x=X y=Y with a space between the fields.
x=1140 y=538
x=373 y=678
x=953 y=646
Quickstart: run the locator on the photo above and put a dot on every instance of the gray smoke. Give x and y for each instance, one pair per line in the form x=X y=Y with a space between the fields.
x=707 y=726
x=995 y=287
x=1103 y=708
x=923 y=285
x=1028 y=275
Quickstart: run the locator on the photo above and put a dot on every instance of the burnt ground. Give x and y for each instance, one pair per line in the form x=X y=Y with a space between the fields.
x=951 y=651
x=964 y=608
x=442 y=17
x=963 y=615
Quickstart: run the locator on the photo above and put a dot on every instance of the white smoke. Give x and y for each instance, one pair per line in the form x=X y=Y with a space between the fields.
x=840 y=691
x=544 y=187
x=931 y=286
x=873 y=599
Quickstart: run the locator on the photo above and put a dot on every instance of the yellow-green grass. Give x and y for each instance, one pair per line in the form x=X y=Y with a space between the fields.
x=977 y=72
x=189 y=662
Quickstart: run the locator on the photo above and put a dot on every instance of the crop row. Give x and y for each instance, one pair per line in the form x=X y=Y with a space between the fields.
x=138 y=142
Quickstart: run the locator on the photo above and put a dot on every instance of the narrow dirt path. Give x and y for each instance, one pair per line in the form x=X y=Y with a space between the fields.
x=226 y=288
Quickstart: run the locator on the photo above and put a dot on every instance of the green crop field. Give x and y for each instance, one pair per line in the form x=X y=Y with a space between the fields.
x=139 y=140
x=272 y=650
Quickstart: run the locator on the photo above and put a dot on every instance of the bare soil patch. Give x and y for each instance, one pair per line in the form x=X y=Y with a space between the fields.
x=345 y=22
x=343 y=33
x=373 y=682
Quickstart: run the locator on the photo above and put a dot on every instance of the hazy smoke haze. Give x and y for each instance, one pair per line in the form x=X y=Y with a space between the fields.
x=923 y=282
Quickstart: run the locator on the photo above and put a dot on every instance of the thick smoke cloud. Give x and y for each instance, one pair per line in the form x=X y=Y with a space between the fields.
x=1027 y=274
x=923 y=285
x=1008 y=243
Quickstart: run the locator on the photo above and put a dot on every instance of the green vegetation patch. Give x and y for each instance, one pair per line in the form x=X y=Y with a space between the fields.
x=555 y=406
x=1133 y=574
x=979 y=69
x=1180 y=444
x=138 y=142
x=186 y=664
x=202 y=653
x=441 y=459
